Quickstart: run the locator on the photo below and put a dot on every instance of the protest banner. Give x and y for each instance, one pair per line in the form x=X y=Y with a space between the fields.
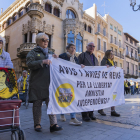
x=76 y=89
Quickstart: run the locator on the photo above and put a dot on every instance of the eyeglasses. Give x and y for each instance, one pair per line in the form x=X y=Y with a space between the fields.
x=1 y=42
x=91 y=46
x=45 y=40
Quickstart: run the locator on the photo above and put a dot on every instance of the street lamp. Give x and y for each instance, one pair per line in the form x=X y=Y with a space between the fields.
x=133 y=3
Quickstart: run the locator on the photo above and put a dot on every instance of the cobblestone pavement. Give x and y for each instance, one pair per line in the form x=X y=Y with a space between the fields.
x=126 y=127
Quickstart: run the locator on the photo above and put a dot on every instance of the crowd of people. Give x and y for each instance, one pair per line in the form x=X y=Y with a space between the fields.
x=39 y=65
x=131 y=87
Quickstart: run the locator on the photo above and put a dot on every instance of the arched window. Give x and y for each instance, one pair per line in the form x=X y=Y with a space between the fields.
x=85 y=27
x=27 y=7
x=79 y=43
x=70 y=14
x=20 y=12
x=14 y=17
x=89 y=29
x=56 y=12
x=48 y=7
x=70 y=38
x=9 y=21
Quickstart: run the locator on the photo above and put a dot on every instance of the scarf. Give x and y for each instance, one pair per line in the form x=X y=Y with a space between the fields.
x=111 y=61
x=24 y=83
x=0 y=51
x=44 y=50
x=71 y=57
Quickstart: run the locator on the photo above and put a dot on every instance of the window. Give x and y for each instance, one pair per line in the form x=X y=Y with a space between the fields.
x=115 y=40
x=120 y=53
x=70 y=38
x=9 y=21
x=127 y=67
x=112 y=48
x=79 y=43
x=131 y=41
x=136 y=70
x=30 y=39
x=133 y=69
x=136 y=54
x=98 y=27
x=25 y=38
x=111 y=26
x=135 y=44
x=20 y=13
x=56 y=12
x=111 y=38
x=0 y=28
x=121 y=65
x=15 y=17
x=104 y=31
x=104 y=46
x=127 y=38
x=99 y=44
x=131 y=52
x=116 y=52
x=120 y=43
x=89 y=29
x=48 y=8
x=115 y=29
x=70 y=14
x=119 y=32
x=85 y=26
x=127 y=53
x=6 y=49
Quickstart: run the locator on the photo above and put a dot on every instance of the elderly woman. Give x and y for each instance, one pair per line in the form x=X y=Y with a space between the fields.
x=38 y=63
x=5 y=60
x=70 y=56
x=108 y=61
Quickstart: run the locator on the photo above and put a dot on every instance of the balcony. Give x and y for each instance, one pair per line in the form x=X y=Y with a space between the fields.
x=24 y=49
x=100 y=31
x=102 y=49
x=131 y=74
x=118 y=55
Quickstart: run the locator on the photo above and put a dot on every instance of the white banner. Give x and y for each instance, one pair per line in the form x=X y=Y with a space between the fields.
x=73 y=89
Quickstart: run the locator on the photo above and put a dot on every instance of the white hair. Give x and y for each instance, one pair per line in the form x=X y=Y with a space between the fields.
x=3 y=39
x=40 y=36
x=90 y=43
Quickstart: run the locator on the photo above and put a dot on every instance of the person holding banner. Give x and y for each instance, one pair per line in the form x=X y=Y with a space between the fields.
x=69 y=56
x=88 y=59
x=39 y=64
x=108 y=61
x=5 y=60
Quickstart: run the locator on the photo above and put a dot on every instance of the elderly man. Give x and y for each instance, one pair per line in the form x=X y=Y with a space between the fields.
x=88 y=59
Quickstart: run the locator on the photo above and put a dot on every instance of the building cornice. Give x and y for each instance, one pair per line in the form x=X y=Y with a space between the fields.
x=11 y=8
x=126 y=34
x=89 y=18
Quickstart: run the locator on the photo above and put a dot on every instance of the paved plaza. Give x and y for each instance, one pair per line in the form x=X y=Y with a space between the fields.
x=126 y=127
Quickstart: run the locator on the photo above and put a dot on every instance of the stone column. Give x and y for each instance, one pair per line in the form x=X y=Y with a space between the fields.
x=24 y=10
x=52 y=9
x=28 y=37
x=33 y=37
x=75 y=39
x=17 y=15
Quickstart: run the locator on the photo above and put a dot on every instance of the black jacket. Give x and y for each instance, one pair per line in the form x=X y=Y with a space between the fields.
x=66 y=57
x=105 y=62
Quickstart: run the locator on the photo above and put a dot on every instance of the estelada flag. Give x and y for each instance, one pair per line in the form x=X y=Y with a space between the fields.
x=8 y=83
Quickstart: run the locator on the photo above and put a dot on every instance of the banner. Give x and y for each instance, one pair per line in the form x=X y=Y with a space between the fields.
x=76 y=89
x=8 y=83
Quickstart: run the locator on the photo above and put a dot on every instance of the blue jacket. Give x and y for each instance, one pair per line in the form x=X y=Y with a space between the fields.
x=5 y=59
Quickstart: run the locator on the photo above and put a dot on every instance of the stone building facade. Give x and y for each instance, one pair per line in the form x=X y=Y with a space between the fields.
x=131 y=61
x=64 y=21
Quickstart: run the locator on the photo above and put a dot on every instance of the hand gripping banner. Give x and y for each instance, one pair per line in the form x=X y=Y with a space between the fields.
x=8 y=83
x=76 y=89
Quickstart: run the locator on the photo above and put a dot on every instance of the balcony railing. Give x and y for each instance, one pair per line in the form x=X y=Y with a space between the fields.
x=131 y=73
x=100 y=48
x=101 y=31
x=118 y=55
